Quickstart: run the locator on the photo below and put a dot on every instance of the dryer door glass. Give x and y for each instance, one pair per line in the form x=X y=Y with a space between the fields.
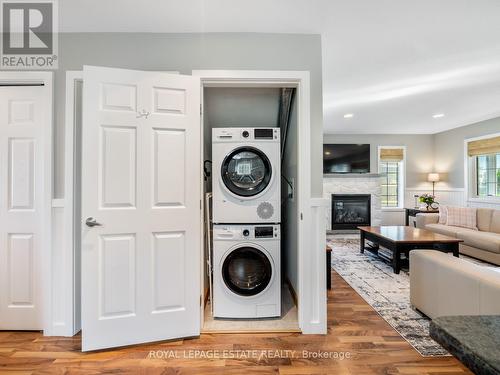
x=246 y=171
x=247 y=271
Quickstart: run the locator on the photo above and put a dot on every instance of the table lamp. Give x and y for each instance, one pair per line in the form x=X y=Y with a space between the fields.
x=433 y=177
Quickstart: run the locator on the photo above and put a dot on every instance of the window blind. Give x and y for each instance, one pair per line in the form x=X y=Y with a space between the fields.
x=484 y=146
x=391 y=154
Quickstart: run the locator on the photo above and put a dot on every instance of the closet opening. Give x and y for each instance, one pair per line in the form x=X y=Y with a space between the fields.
x=251 y=244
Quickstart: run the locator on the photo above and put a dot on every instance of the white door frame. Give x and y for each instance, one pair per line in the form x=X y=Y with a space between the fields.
x=311 y=296
x=72 y=308
x=46 y=79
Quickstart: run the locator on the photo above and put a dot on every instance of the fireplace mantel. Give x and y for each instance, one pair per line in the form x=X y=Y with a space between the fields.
x=351 y=175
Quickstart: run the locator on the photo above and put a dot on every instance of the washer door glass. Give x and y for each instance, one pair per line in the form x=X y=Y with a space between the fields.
x=247 y=271
x=246 y=171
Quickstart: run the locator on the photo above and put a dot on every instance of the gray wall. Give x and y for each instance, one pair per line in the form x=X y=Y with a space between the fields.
x=419 y=152
x=238 y=107
x=440 y=152
x=184 y=53
x=449 y=149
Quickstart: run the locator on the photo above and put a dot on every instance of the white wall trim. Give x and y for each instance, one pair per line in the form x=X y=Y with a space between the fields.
x=492 y=200
x=47 y=79
x=445 y=196
x=309 y=300
x=316 y=313
x=437 y=189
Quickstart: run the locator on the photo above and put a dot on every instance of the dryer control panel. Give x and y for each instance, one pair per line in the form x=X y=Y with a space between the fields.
x=245 y=134
x=264 y=232
x=246 y=232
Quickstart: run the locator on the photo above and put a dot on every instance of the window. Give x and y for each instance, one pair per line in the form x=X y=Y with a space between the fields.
x=488 y=175
x=390 y=184
x=391 y=167
x=483 y=167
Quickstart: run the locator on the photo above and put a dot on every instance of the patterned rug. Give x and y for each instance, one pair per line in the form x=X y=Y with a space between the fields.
x=386 y=292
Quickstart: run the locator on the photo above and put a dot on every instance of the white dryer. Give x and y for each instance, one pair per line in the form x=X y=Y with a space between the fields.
x=246 y=271
x=246 y=175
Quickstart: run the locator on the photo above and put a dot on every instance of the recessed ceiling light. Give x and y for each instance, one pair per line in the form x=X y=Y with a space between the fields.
x=438 y=115
x=327 y=152
x=348 y=115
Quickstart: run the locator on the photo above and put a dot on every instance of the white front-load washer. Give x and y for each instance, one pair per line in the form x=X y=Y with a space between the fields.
x=247 y=175
x=246 y=271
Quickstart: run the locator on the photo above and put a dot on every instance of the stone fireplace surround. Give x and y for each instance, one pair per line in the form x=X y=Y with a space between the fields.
x=369 y=183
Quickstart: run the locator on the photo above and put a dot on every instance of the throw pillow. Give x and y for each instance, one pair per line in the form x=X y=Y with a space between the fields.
x=464 y=217
x=443 y=214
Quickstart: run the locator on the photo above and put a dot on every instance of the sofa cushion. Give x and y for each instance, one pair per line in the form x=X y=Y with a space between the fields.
x=495 y=221
x=481 y=240
x=465 y=217
x=443 y=214
x=447 y=230
x=484 y=219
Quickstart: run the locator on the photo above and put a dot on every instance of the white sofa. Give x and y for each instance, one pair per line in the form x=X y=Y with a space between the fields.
x=483 y=243
x=443 y=285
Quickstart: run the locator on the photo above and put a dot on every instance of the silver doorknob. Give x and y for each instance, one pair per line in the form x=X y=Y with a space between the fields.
x=91 y=222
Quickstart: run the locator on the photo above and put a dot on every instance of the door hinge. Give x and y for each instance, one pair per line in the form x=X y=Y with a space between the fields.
x=201 y=109
x=301 y=216
x=201 y=205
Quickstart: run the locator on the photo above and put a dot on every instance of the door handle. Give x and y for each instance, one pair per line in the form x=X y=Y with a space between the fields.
x=91 y=222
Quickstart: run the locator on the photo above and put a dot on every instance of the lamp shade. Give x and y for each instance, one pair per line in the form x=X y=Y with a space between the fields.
x=433 y=177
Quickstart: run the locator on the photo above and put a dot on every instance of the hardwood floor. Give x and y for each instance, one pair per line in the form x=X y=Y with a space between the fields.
x=353 y=327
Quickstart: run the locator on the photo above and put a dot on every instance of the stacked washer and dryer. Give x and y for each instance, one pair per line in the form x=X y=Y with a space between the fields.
x=246 y=216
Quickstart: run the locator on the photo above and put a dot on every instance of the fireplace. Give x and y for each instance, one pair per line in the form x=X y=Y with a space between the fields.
x=350 y=210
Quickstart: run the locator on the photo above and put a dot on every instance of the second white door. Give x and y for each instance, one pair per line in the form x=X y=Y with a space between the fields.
x=23 y=133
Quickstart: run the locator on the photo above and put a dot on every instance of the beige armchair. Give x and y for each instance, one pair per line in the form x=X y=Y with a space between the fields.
x=442 y=285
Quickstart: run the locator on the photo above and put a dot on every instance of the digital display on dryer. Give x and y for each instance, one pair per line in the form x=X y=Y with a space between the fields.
x=263 y=133
x=264 y=232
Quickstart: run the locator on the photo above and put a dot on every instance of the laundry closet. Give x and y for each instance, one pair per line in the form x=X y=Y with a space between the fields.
x=148 y=252
x=250 y=174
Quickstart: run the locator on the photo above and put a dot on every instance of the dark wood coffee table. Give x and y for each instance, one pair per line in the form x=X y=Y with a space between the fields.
x=402 y=239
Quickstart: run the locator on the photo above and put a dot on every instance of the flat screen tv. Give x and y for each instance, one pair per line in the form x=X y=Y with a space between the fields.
x=346 y=158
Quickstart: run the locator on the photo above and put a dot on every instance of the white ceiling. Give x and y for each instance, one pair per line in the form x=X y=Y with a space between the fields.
x=391 y=63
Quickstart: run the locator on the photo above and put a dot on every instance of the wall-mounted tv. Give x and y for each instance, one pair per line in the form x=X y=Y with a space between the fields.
x=346 y=158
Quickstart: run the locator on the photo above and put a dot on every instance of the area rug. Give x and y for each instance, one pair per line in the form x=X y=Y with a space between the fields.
x=388 y=293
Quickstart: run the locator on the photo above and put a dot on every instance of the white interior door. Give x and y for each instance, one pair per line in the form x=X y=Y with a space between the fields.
x=141 y=179
x=22 y=126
